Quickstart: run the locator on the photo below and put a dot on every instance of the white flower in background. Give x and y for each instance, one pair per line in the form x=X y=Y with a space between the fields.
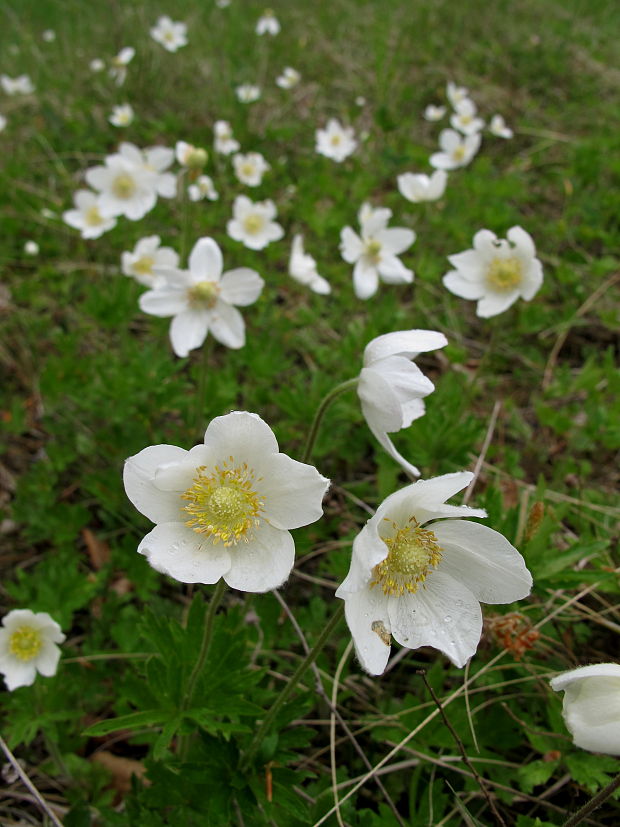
x=250 y=168
x=49 y=35
x=456 y=94
x=360 y=100
x=496 y=272
x=591 y=706
x=146 y=256
x=416 y=188
x=125 y=185
x=302 y=267
x=201 y=299
x=335 y=141
x=223 y=140
x=434 y=113
x=3 y=123
x=170 y=35
x=252 y=223
x=31 y=248
x=290 y=77
x=422 y=582
x=464 y=118
x=21 y=85
x=375 y=252
x=122 y=115
x=247 y=92
x=86 y=217
x=96 y=65
x=457 y=150
x=27 y=646
x=202 y=188
x=498 y=127
x=222 y=4
x=191 y=156
x=268 y=23
x=119 y=63
x=224 y=508
x=391 y=386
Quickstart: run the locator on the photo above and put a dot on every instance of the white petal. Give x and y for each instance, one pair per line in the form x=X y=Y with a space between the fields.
x=138 y=478
x=227 y=325
x=443 y=614
x=462 y=287
x=485 y=243
x=262 y=564
x=495 y=303
x=365 y=279
x=470 y=264
x=242 y=435
x=594 y=670
x=188 y=331
x=403 y=343
x=367 y=618
x=241 y=286
x=393 y=271
x=178 y=551
x=532 y=279
x=406 y=381
x=47 y=660
x=387 y=444
x=592 y=711
x=522 y=240
x=395 y=240
x=441 y=160
x=166 y=301
x=18 y=674
x=205 y=260
x=425 y=500
x=351 y=246
x=293 y=492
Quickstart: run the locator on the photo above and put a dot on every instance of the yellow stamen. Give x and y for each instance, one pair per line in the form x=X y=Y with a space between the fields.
x=373 y=249
x=144 y=266
x=335 y=140
x=93 y=217
x=459 y=153
x=25 y=643
x=413 y=552
x=203 y=294
x=504 y=273
x=123 y=186
x=253 y=223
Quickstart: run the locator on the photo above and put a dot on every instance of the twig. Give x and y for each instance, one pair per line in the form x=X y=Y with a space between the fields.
x=483 y=451
x=28 y=783
x=332 y=728
x=593 y=803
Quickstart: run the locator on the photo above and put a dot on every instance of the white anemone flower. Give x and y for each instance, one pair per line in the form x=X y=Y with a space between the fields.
x=456 y=150
x=193 y=157
x=21 y=85
x=122 y=115
x=464 y=117
x=49 y=35
x=434 y=112
x=250 y=168
x=223 y=139
x=302 y=267
x=201 y=299
x=248 y=92
x=416 y=188
x=591 y=706
x=224 y=508
x=268 y=23
x=96 y=65
x=422 y=582
x=169 y=34
x=87 y=217
x=125 y=185
x=289 y=78
x=496 y=272
x=252 y=223
x=146 y=256
x=391 y=387
x=375 y=252
x=31 y=248
x=27 y=646
x=498 y=128
x=222 y=4
x=455 y=93
x=335 y=141
x=202 y=188
x=119 y=63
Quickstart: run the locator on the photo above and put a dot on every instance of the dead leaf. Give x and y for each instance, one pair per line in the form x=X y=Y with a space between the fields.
x=121 y=769
x=98 y=550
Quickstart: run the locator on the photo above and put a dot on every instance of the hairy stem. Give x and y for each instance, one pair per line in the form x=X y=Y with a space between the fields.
x=318 y=417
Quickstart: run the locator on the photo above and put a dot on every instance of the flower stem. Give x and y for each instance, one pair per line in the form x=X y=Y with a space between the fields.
x=207 y=634
x=318 y=417
x=290 y=686
x=593 y=803
x=201 y=387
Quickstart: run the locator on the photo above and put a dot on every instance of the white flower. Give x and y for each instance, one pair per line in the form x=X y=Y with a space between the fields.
x=49 y=35
x=498 y=127
x=224 y=509
x=457 y=150
x=268 y=23
x=250 y=168
x=202 y=188
x=222 y=4
x=146 y=256
x=423 y=583
x=496 y=272
x=86 y=217
x=118 y=69
x=31 y=248
x=223 y=140
x=456 y=93
x=360 y=100
x=335 y=141
x=21 y=85
x=170 y=35
x=252 y=223
x=302 y=267
x=434 y=113
x=156 y=160
x=247 y=92
x=464 y=118
x=27 y=646
x=420 y=187
x=3 y=123
x=190 y=156
x=592 y=706
x=201 y=299
x=122 y=115
x=96 y=65
x=290 y=77
x=391 y=386
x=375 y=253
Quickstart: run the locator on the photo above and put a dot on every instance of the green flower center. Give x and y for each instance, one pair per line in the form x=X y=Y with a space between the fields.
x=373 y=249
x=92 y=217
x=25 y=643
x=504 y=273
x=144 y=266
x=459 y=153
x=203 y=294
x=123 y=186
x=253 y=223
x=412 y=552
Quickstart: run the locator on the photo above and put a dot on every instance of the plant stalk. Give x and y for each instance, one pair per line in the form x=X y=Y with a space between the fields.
x=318 y=417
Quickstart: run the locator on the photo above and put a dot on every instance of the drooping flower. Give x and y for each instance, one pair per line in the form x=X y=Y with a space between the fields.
x=27 y=646
x=223 y=140
x=122 y=115
x=422 y=582
x=290 y=77
x=224 y=509
x=391 y=386
x=21 y=85
x=87 y=217
x=591 y=706
x=202 y=188
x=434 y=113
x=375 y=252
x=268 y=23
x=201 y=299
x=335 y=141
x=456 y=150
x=252 y=223
x=496 y=272
x=250 y=168
x=464 y=117
x=455 y=93
x=193 y=157
x=119 y=63
x=416 y=188
x=169 y=34
x=302 y=267
x=248 y=92
x=148 y=255
x=498 y=127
